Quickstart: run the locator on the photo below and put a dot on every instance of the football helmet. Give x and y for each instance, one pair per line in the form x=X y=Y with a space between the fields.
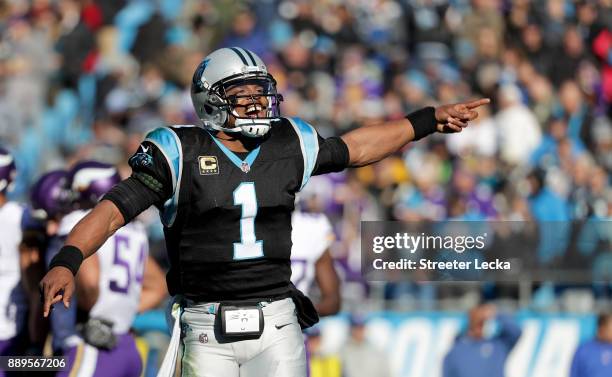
x=89 y=181
x=8 y=171
x=231 y=67
x=49 y=196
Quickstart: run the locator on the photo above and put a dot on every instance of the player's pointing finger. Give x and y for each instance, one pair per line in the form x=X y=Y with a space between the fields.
x=477 y=103
x=50 y=298
x=68 y=291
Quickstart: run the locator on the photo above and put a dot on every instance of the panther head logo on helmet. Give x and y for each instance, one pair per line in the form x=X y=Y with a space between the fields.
x=219 y=101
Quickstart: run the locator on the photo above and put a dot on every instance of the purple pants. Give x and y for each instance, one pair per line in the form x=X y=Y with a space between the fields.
x=6 y=347
x=89 y=361
x=11 y=347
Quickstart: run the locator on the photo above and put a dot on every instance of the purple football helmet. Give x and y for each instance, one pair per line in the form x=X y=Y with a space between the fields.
x=7 y=171
x=90 y=180
x=49 y=195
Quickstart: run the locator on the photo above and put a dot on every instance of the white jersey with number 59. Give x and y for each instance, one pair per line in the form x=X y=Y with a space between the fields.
x=122 y=261
x=311 y=235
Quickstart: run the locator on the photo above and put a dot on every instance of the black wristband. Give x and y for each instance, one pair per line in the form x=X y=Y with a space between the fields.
x=423 y=122
x=70 y=257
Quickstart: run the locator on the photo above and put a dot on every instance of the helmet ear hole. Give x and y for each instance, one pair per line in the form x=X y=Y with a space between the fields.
x=208 y=109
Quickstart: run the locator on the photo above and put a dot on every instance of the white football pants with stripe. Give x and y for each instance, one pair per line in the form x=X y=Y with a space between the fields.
x=279 y=352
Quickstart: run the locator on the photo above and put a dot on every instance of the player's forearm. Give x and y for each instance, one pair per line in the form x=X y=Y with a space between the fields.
x=367 y=145
x=329 y=305
x=150 y=300
x=88 y=283
x=373 y=143
x=94 y=229
x=87 y=296
x=152 y=294
x=145 y=302
x=154 y=288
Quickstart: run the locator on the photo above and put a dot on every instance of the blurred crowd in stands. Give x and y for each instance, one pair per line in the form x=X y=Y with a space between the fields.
x=88 y=78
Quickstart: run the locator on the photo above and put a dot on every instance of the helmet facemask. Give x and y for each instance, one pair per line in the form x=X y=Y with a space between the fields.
x=250 y=99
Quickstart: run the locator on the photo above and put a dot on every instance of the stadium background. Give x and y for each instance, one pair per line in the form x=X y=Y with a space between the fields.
x=87 y=79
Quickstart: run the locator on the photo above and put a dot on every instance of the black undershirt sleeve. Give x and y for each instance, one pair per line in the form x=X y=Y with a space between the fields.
x=333 y=156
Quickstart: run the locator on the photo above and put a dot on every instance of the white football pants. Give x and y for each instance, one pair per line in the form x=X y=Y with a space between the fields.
x=279 y=352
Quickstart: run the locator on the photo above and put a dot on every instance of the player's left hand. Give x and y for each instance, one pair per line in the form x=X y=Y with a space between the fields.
x=453 y=118
x=57 y=285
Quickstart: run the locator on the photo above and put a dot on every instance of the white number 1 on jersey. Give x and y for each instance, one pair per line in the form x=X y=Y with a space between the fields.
x=248 y=247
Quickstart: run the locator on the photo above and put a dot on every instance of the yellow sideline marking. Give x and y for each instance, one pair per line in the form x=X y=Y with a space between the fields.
x=143 y=350
x=77 y=360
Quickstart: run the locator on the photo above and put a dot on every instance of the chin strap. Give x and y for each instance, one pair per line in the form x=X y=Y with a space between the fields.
x=250 y=129
x=215 y=127
x=253 y=127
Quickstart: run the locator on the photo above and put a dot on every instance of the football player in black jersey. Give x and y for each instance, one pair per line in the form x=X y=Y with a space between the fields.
x=226 y=191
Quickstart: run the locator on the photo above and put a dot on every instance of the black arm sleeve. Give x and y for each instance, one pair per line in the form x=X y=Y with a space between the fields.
x=333 y=156
x=150 y=183
x=131 y=197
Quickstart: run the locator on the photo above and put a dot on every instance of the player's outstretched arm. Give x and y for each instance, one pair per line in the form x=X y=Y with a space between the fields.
x=370 y=144
x=86 y=237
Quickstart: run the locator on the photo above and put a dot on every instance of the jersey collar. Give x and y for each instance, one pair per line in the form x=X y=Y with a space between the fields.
x=244 y=165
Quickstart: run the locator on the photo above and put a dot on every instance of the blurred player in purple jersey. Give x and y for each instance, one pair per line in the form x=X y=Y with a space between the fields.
x=13 y=300
x=109 y=286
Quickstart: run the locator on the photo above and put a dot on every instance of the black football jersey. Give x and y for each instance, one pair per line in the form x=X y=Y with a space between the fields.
x=227 y=216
